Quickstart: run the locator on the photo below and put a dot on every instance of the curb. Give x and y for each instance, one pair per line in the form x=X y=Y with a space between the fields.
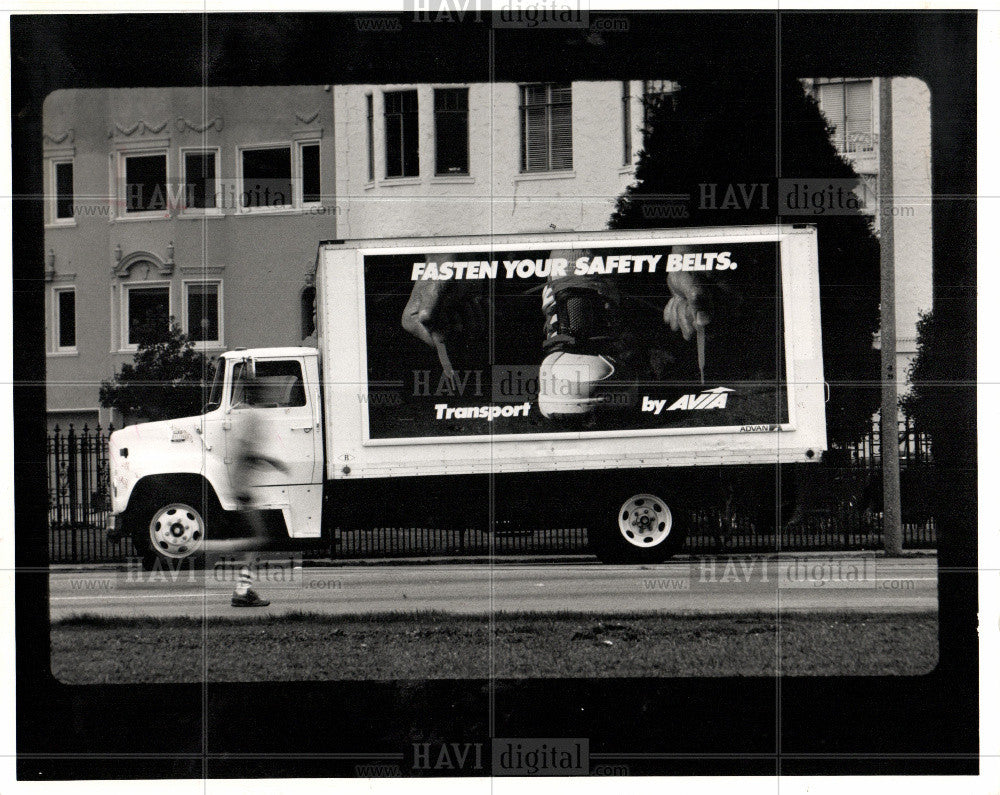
x=528 y=559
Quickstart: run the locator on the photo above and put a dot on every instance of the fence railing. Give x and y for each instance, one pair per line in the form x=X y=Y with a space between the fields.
x=79 y=505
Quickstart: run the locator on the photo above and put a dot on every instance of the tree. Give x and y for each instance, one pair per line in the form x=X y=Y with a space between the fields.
x=930 y=403
x=722 y=129
x=165 y=380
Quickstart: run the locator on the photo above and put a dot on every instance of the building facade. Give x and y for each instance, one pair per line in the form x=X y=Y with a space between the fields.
x=200 y=205
x=207 y=205
x=483 y=158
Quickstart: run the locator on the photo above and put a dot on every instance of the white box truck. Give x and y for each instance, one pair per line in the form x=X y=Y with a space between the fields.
x=605 y=379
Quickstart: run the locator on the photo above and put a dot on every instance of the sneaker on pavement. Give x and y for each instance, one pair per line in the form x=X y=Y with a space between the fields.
x=249 y=599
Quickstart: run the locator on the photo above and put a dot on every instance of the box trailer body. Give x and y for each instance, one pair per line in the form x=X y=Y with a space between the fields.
x=523 y=378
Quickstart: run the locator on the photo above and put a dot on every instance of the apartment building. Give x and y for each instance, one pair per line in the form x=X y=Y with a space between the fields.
x=207 y=205
x=204 y=206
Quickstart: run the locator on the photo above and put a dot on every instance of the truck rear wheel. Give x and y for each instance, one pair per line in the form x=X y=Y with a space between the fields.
x=645 y=528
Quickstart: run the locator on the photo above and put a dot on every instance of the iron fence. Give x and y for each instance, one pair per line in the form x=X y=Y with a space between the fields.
x=850 y=517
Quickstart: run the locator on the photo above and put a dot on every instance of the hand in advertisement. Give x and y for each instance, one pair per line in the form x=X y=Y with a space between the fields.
x=445 y=315
x=690 y=308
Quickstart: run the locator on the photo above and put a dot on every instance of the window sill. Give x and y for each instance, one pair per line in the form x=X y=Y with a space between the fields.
x=625 y=170
x=209 y=345
x=69 y=352
x=66 y=223
x=261 y=212
x=393 y=181
x=450 y=179
x=195 y=215
x=531 y=176
x=132 y=217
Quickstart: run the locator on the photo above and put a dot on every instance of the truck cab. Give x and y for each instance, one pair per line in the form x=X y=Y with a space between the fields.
x=172 y=482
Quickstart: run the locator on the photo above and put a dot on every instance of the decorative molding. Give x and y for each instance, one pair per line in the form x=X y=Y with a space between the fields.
x=307 y=135
x=307 y=118
x=126 y=263
x=202 y=270
x=141 y=126
x=183 y=124
x=66 y=137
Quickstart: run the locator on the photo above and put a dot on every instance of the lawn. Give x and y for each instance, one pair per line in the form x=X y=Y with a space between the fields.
x=302 y=646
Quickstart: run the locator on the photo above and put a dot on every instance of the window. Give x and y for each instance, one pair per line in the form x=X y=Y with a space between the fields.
x=146 y=183
x=401 y=155
x=626 y=124
x=546 y=127
x=147 y=313
x=267 y=177
x=307 y=307
x=65 y=309
x=63 y=178
x=370 y=122
x=202 y=311
x=218 y=383
x=451 y=131
x=201 y=174
x=279 y=384
x=309 y=172
x=847 y=106
x=656 y=94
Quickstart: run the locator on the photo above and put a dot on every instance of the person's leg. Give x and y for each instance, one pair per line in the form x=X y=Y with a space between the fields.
x=244 y=595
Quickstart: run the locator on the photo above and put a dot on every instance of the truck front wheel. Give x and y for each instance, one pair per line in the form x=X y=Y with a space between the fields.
x=169 y=529
x=644 y=528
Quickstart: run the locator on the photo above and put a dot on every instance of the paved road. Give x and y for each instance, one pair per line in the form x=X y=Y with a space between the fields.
x=826 y=582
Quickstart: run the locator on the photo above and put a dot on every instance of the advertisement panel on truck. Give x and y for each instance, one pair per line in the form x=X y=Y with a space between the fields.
x=608 y=337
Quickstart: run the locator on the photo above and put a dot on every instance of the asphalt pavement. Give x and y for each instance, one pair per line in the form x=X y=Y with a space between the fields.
x=831 y=582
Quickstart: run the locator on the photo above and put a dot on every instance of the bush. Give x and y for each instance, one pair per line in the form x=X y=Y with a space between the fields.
x=166 y=379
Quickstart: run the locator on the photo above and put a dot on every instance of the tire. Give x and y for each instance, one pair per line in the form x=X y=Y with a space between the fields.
x=640 y=527
x=170 y=529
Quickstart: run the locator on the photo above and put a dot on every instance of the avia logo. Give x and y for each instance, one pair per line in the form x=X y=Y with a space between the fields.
x=709 y=399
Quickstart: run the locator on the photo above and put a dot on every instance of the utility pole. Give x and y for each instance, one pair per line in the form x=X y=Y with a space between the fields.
x=892 y=528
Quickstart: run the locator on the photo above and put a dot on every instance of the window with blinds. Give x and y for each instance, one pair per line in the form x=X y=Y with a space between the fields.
x=401 y=156
x=546 y=127
x=847 y=106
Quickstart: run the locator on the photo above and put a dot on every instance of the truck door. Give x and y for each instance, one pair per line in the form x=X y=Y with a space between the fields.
x=286 y=421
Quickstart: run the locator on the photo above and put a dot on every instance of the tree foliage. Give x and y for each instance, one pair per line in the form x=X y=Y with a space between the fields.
x=722 y=129
x=165 y=380
x=931 y=400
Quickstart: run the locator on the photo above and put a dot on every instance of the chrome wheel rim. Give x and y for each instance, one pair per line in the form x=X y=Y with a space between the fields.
x=644 y=520
x=177 y=530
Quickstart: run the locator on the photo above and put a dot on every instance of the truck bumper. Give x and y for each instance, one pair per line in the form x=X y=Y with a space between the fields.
x=115 y=528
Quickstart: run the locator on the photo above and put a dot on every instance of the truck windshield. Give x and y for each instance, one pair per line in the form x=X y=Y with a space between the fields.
x=215 y=393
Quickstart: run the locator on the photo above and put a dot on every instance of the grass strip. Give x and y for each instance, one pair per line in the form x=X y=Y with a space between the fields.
x=90 y=649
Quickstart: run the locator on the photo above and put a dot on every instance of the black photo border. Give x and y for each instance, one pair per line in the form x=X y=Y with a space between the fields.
x=757 y=726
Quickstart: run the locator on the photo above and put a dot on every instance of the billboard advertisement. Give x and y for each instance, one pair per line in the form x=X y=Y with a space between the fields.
x=608 y=337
